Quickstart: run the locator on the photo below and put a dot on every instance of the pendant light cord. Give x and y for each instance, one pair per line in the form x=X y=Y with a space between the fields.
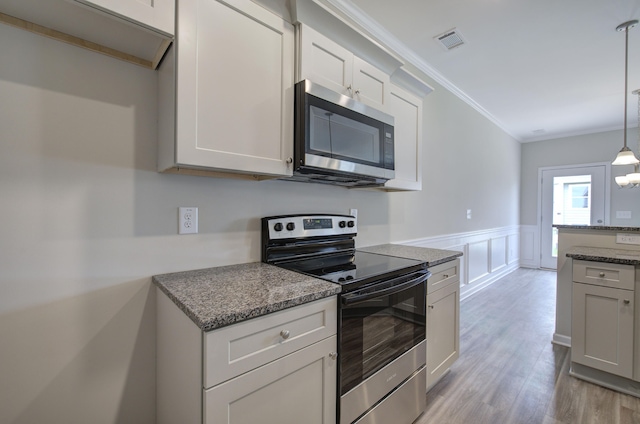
x=626 y=71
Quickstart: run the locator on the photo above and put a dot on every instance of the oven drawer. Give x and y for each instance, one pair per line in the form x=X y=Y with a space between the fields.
x=443 y=274
x=604 y=274
x=236 y=349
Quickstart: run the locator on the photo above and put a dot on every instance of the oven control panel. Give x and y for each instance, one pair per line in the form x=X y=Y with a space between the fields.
x=303 y=226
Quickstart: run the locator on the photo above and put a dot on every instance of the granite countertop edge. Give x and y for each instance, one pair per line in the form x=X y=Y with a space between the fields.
x=606 y=255
x=430 y=256
x=597 y=227
x=190 y=302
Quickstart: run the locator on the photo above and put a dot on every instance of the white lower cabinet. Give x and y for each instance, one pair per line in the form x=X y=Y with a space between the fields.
x=443 y=320
x=280 y=368
x=298 y=388
x=226 y=92
x=602 y=331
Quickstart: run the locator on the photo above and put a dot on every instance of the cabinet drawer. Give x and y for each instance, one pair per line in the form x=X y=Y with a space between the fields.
x=604 y=274
x=444 y=274
x=236 y=349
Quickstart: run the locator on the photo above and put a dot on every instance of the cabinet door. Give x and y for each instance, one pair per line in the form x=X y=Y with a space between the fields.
x=155 y=14
x=298 y=388
x=324 y=61
x=370 y=85
x=602 y=328
x=443 y=331
x=407 y=111
x=234 y=88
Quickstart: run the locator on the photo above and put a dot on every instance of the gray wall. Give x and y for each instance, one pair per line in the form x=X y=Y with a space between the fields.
x=590 y=148
x=86 y=221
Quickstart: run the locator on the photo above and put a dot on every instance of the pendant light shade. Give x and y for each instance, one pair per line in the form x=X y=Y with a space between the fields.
x=625 y=157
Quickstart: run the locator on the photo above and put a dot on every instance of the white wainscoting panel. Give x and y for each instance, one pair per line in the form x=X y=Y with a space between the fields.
x=529 y=246
x=513 y=248
x=479 y=259
x=498 y=253
x=487 y=255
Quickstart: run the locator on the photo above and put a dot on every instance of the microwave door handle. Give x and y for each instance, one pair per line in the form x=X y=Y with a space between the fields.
x=350 y=299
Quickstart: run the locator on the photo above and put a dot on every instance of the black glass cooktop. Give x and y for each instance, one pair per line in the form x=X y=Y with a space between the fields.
x=354 y=267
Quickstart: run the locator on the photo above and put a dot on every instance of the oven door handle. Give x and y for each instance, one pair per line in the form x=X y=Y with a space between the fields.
x=351 y=298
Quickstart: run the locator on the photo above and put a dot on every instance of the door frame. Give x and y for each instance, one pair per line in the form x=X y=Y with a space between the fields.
x=607 y=196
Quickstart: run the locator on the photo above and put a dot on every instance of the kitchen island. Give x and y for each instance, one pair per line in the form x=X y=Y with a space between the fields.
x=605 y=322
x=569 y=237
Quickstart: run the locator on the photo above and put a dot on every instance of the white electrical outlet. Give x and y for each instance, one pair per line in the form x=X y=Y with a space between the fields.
x=627 y=238
x=187 y=220
x=353 y=212
x=468 y=213
x=623 y=214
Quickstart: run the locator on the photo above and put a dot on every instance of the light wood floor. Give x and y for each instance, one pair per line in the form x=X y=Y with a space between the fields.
x=509 y=371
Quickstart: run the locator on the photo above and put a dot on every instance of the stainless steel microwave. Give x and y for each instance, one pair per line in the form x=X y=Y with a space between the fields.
x=338 y=140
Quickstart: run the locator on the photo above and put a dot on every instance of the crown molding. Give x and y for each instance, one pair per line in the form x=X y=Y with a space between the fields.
x=353 y=13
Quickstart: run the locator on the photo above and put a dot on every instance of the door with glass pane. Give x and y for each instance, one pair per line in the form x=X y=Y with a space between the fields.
x=570 y=196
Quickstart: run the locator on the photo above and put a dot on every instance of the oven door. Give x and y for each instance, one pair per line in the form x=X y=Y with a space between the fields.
x=379 y=323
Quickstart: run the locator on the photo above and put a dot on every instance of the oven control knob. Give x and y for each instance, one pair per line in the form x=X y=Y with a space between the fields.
x=278 y=226
x=291 y=226
x=350 y=224
x=341 y=279
x=342 y=224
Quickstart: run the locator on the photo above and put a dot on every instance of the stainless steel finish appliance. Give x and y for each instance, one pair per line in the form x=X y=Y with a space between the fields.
x=382 y=314
x=339 y=140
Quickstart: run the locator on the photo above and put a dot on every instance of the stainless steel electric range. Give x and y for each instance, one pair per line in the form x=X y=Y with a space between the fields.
x=382 y=314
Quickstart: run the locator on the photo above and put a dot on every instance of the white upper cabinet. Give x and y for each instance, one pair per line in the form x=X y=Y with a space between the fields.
x=137 y=31
x=325 y=62
x=233 y=105
x=155 y=14
x=406 y=108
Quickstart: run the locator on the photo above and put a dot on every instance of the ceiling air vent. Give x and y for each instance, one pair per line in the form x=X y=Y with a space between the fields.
x=450 y=39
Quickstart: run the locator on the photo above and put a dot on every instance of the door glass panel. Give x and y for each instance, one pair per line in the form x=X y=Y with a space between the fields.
x=571 y=204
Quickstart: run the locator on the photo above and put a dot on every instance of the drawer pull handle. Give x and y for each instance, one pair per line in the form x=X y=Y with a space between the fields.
x=285 y=334
x=430 y=306
x=627 y=301
x=333 y=355
x=445 y=275
x=602 y=275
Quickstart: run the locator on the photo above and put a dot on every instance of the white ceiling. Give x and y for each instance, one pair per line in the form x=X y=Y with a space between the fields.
x=528 y=65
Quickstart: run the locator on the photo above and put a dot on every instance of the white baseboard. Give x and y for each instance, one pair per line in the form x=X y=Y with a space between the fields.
x=561 y=340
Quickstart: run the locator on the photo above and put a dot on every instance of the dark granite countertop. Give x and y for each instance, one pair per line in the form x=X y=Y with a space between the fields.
x=601 y=254
x=598 y=227
x=426 y=254
x=216 y=297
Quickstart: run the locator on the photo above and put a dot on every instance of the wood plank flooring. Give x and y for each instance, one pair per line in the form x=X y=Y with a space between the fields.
x=509 y=372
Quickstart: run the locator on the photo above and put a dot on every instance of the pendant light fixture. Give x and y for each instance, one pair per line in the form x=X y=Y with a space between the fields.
x=632 y=179
x=626 y=156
